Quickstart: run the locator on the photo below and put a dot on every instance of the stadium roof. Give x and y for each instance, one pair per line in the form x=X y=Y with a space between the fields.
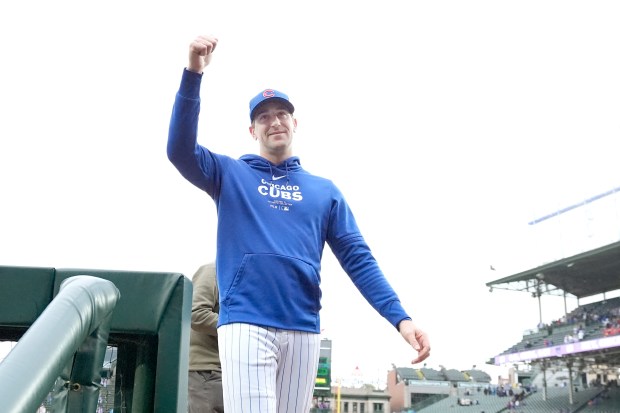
x=583 y=275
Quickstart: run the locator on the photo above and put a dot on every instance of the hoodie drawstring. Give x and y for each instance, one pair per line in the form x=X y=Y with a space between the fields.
x=285 y=169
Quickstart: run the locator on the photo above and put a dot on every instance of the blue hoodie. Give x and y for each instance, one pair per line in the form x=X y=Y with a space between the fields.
x=273 y=222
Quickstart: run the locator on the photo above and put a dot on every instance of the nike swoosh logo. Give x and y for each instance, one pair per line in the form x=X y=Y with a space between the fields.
x=275 y=178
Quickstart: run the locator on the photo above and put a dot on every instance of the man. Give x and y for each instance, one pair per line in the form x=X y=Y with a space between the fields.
x=274 y=219
x=205 y=371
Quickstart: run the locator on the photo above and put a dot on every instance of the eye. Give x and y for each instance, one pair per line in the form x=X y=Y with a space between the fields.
x=282 y=114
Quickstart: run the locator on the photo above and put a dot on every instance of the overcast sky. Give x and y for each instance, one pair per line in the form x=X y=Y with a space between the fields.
x=448 y=125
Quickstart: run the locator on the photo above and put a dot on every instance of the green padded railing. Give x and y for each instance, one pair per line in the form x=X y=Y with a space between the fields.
x=149 y=327
x=77 y=320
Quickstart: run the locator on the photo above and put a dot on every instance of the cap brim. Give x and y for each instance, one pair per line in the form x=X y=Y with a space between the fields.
x=285 y=102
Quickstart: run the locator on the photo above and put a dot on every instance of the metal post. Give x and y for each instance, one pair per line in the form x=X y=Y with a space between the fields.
x=570 y=382
x=565 y=307
x=539 y=293
x=544 y=370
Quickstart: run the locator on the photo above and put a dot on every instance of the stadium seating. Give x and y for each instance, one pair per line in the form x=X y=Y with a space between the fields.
x=593 y=330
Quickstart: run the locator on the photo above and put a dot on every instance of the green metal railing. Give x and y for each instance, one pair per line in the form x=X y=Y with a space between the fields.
x=74 y=331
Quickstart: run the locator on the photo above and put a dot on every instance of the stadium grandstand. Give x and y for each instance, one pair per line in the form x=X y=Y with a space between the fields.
x=569 y=365
x=573 y=363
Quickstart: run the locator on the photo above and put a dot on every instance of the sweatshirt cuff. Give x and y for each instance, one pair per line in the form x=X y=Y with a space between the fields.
x=397 y=325
x=190 y=84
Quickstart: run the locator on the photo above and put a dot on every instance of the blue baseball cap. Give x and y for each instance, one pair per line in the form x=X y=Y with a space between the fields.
x=268 y=94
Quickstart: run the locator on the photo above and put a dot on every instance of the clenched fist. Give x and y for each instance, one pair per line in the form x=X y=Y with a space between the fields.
x=200 y=52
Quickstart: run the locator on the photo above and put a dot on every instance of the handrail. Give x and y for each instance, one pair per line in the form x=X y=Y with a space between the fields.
x=79 y=316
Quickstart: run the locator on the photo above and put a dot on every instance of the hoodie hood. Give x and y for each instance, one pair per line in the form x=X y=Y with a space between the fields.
x=291 y=164
x=284 y=168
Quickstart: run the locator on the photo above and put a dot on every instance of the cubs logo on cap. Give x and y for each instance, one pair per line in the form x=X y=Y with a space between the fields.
x=265 y=95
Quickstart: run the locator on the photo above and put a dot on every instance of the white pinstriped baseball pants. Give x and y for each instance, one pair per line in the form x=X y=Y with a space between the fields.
x=267 y=370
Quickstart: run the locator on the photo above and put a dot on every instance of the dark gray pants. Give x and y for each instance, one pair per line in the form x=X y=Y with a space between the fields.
x=205 y=392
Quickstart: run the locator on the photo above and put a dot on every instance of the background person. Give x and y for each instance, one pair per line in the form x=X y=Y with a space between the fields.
x=205 y=370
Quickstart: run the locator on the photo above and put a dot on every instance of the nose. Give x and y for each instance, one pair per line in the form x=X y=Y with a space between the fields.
x=275 y=121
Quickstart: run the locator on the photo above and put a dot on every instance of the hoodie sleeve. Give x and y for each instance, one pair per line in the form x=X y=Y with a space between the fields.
x=194 y=162
x=355 y=257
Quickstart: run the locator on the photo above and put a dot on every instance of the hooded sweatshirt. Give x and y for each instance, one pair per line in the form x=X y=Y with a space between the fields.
x=273 y=223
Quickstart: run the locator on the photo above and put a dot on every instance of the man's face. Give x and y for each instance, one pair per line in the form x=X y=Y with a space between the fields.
x=273 y=127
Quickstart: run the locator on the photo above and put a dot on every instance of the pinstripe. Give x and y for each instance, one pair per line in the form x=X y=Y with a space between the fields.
x=248 y=333
x=273 y=377
x=237 y=377
x=256 y=371
x=226 y=366
x=282 y=371
x=267 y=370
x=301 y=356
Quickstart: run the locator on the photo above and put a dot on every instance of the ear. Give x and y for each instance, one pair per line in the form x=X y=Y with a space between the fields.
x=294 y=124
x=251 y=129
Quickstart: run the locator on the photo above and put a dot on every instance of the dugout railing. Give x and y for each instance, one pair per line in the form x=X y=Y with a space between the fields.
x=149 y=327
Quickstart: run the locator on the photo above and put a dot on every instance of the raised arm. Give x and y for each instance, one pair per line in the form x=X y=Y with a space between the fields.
x=191 y=159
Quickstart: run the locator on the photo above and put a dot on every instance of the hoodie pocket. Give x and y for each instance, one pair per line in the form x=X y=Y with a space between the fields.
x=277 y=291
